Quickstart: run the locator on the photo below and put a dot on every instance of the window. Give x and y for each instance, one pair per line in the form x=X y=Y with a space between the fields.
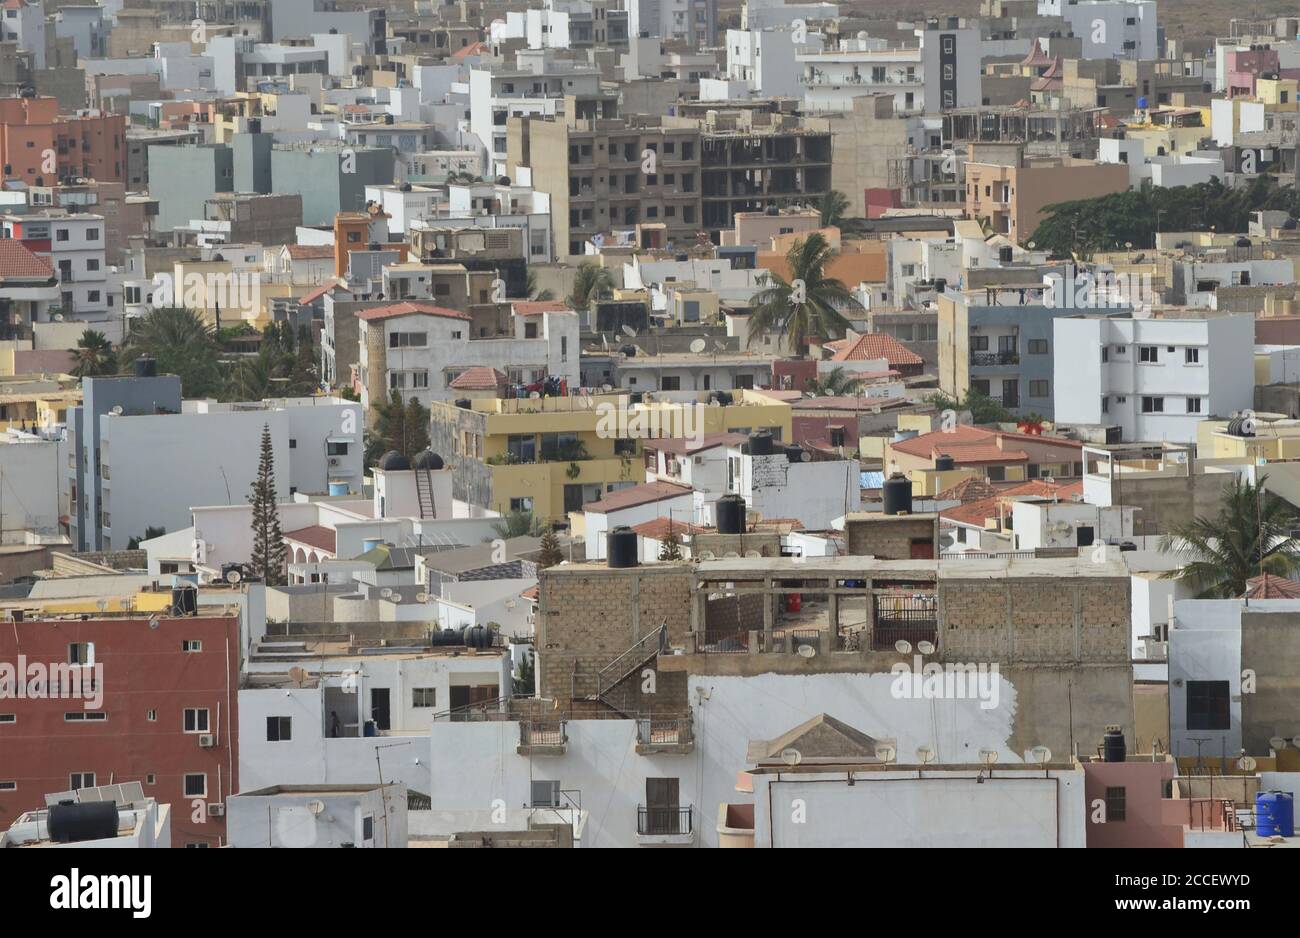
x=979 y=343
x=61 y=234
x=1194 y=405
x=92 y=234
x=521 y=504
x=1149 y=354
x=8 y=786
x=1208 y=705
x=1192 y=356
x=670 y=384
x=408 y=339
x=336 y=449
x=196 y=785
x=1037 y=346
x=151 y=716
x=1116 y=802
x=1038 y=389
x=293 y=444
x=545 y=793
x=1153 y=405
x=81 y=780
x=1105 y=405
x=81 y=653
x=85 y=716
x=424 y=696
x=367 y=828
x=279 y=729
x=191 y=645
x=196 y=720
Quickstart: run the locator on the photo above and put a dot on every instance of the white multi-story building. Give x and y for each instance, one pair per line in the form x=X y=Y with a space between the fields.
x=1109 y=28
x=497 y=95
x=24 y=23
x=765 y=14
x=74 y=246
x=767 y=59
x=1155 y=379
x=692 y=21
x=419 y=349
x=1165 y=171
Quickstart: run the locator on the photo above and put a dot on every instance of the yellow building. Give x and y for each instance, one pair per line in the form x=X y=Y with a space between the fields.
x=1275 y=437
x=552 y=455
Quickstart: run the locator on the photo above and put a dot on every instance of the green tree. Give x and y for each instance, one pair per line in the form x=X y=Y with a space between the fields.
x=150 y=532
x=592 y=282
x=398 y=425
x=1250 y=535
x=670 y=548
x=549 y=554
x=182 y=344
x=268 y=558
x=834 y=205
x=835 y=383
x=94 y=355
x=517 y=524
x=806 y=306
x=533 y=292
x=983 y=409
x=524 y=684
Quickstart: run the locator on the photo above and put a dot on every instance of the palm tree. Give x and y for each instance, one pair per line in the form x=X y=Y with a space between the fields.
x=835 y=383
x=1250 y=535
x=533 y=292
x=517 y=524
x=591 y=283
x=182 y=344
x=833 y=206
x=95 y=356
x=809 y=303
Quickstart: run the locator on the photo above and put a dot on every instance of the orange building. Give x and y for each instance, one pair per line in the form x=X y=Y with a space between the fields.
x=40 y=146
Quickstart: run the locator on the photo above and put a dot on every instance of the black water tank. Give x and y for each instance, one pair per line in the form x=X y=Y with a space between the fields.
x=464 y=403
x=636 y=397
x=70 y=822
x=1243 y=242
x=185 y=601
x=1112 y=745
x=725 y=398
x=760 y=444
x=940 y=284
x=794 y=453
x=475 y=636
x=447 y=637
x=945 y=464
x=393 y=461
x=629 y=351
x=621 y=547
x=146 y=367
x=429 y=460
x=897 y=494
x=731 y=514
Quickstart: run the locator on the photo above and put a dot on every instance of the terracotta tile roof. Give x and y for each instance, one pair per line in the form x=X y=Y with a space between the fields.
x=657 y=528
x=1036 y=56
x=980 y=453
x=478 y=378
x=320 y=291
x=969 y=490
x=315 y=535
x=973 y=513
x=17 y=261
x=303 y=252
x=873 y=345
x=537 y=307
x=926 y=444
x=407 y=308
x=474 y=48
x=1040 y=488
x=643 y=494
x=1269 y=586
x=533 y=592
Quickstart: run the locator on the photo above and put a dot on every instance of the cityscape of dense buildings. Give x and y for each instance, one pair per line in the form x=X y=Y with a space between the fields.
x=647 y=423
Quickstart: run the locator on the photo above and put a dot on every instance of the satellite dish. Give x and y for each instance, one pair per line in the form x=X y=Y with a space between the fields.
x=1277 y=742
x=904 y=646
x=697 y=346
x=925 y=754
x=753 y=554
x=233 y=576
x=316 y=807
x=422 y=597
x=707 y=555
x=386 y=592
x=807 y=651
x=925 y=648
x=1247 y=763
x=117 y=411
x=988 y=756
x=791 y=757
x=101 y=604
x=628 y=330
x=297 y=675
x=1042 y=755
x=886 y=753
x=153 y=622
x=1295 y=741
x=607 y=388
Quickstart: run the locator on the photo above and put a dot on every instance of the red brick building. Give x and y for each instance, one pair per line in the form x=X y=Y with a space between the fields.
x=166 y=718
x=41 y=146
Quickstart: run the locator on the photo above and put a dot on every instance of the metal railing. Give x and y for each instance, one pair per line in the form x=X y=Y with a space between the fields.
x=788 y=641
x=995 y=358
x=663 y=731
x=669 y=820
x=542 y=734
x=725 y=642
x=651 y=644
x=904 y=618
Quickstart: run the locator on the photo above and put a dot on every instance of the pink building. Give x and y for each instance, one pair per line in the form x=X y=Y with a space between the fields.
x=1127 y=805
x=1243 y=66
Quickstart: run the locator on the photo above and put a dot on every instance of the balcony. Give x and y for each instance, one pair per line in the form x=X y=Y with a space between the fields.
x=984 y=359
x=671 y=736
x=542 y=739
x=904 y=618
x=667 y=826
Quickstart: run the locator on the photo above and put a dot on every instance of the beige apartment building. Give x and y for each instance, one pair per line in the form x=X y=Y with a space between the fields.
x=1013 y=197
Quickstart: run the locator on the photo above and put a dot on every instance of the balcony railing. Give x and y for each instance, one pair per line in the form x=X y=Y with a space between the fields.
x=669 y=821
x=729 y=641
x=995 y=358
x=910 y=619
x=542 y=734
x=659 y=731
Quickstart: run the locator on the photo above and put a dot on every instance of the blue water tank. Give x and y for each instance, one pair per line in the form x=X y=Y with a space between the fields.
x=338 y=488
x=1142 y=104
x=1274 y=814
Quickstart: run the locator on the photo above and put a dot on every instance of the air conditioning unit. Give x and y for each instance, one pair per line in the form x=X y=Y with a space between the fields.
x=207 y=741
x=334 y=461
x=216 y=810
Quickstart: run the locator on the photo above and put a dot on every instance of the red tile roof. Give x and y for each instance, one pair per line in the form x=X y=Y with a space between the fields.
x=969 y=490
x=302 y=252
x=478 y=378
x=1269 y=586
x=321 y=291
x=972 y=513
x=407 y=308
x=873 y=345
x=644 y=494
x=657 y=528
x=315 y=535
x=17 y=261
x=474 y=48
x=980 y=453
x=537 y=307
